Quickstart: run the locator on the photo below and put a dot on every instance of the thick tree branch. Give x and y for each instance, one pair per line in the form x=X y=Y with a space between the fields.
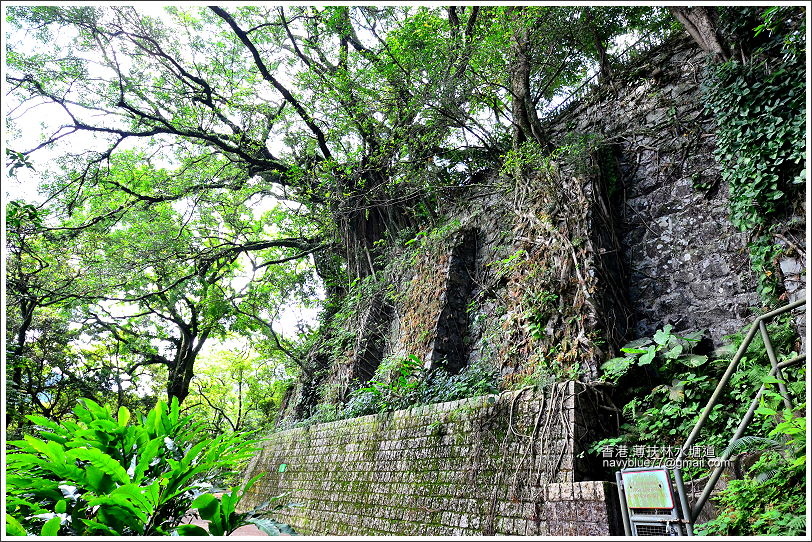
x=700 y=24
x=266 y=74
x=298 y=256
x=213 y=407
x=272 y=332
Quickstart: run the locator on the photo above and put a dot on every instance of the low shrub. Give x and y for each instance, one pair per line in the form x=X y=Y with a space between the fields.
x=106 y=474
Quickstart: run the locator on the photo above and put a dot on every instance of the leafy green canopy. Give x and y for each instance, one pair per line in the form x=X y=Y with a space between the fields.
x=330 y=101
x=152 y=288
x=172 y=132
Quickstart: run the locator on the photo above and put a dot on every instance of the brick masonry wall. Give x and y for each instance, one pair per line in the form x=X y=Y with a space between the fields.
x=500 y=464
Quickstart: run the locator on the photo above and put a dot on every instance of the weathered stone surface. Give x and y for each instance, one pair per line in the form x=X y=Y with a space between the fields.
x=485 y=465
x=685 y=263
x=448 y=347
x=792 y=263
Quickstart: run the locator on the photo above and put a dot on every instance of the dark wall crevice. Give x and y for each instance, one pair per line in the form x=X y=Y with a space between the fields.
x=451 y=346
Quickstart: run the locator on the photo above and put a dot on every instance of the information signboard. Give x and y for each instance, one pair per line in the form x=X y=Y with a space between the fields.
x=648 y=489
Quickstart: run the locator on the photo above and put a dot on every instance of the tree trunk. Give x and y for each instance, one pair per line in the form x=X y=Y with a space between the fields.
x=180 y=377
x=700 y=22
x=15 y=359
x=526 y=124
x=182 y=368
x=599 y=41
x=364 y=222
x=603 y=59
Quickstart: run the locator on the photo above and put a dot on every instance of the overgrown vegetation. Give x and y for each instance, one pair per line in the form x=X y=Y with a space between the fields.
x=771 y=499
x=413 y=385
x=403 y=383
x=665 y=384
x=408 y=283
x=106 y=474
x=201 y=170
x=760 y=110
x=531 y=340
x=553 y=326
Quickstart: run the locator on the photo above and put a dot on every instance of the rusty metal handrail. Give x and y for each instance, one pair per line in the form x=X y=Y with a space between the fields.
x=758 y=325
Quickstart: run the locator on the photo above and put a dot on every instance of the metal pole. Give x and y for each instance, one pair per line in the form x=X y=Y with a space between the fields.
x=748 y=417
x=718 y=391
x=793 y=361
x=781 y=310
x=624 y=510
x=768 y=346
x=683 y=499
x=729 y=372
x=717 y=472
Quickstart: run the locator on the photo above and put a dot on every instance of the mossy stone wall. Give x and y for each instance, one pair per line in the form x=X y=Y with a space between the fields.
x=685 y=263
x=499 y=464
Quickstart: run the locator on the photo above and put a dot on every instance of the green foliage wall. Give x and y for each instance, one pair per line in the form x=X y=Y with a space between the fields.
x=760 y=110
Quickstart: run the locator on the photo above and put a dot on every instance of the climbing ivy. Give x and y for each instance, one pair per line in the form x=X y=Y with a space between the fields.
x=763 y=253
x=760 y=137
x=760 y=111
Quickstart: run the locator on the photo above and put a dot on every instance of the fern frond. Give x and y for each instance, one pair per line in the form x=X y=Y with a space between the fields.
x=751 y=443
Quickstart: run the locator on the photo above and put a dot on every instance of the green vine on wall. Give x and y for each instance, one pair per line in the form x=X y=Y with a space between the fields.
x=554 y=287
x=761 y=115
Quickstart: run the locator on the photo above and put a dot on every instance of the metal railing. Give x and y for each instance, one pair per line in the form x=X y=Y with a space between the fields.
x=759 y=325
x=641 y=46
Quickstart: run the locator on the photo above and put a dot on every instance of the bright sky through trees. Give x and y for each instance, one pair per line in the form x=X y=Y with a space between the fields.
x=210 y=172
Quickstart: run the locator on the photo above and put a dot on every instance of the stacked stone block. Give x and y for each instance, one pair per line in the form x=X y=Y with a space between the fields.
x=685 y=262
x=500 y=464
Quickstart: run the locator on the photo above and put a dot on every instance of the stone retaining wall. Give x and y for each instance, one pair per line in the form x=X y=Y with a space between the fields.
x=508 y=464
x=685 y=262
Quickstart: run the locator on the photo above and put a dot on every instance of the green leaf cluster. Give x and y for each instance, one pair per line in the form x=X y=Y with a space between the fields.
x=223 y=518
x=403 y=382
x=403 y=378
x=761 y=116
x=662 y=386
x=414 y=385
x=111 y=474
x=667 y=348
x=760 y=111
x=772 y=507
x=771 y=499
